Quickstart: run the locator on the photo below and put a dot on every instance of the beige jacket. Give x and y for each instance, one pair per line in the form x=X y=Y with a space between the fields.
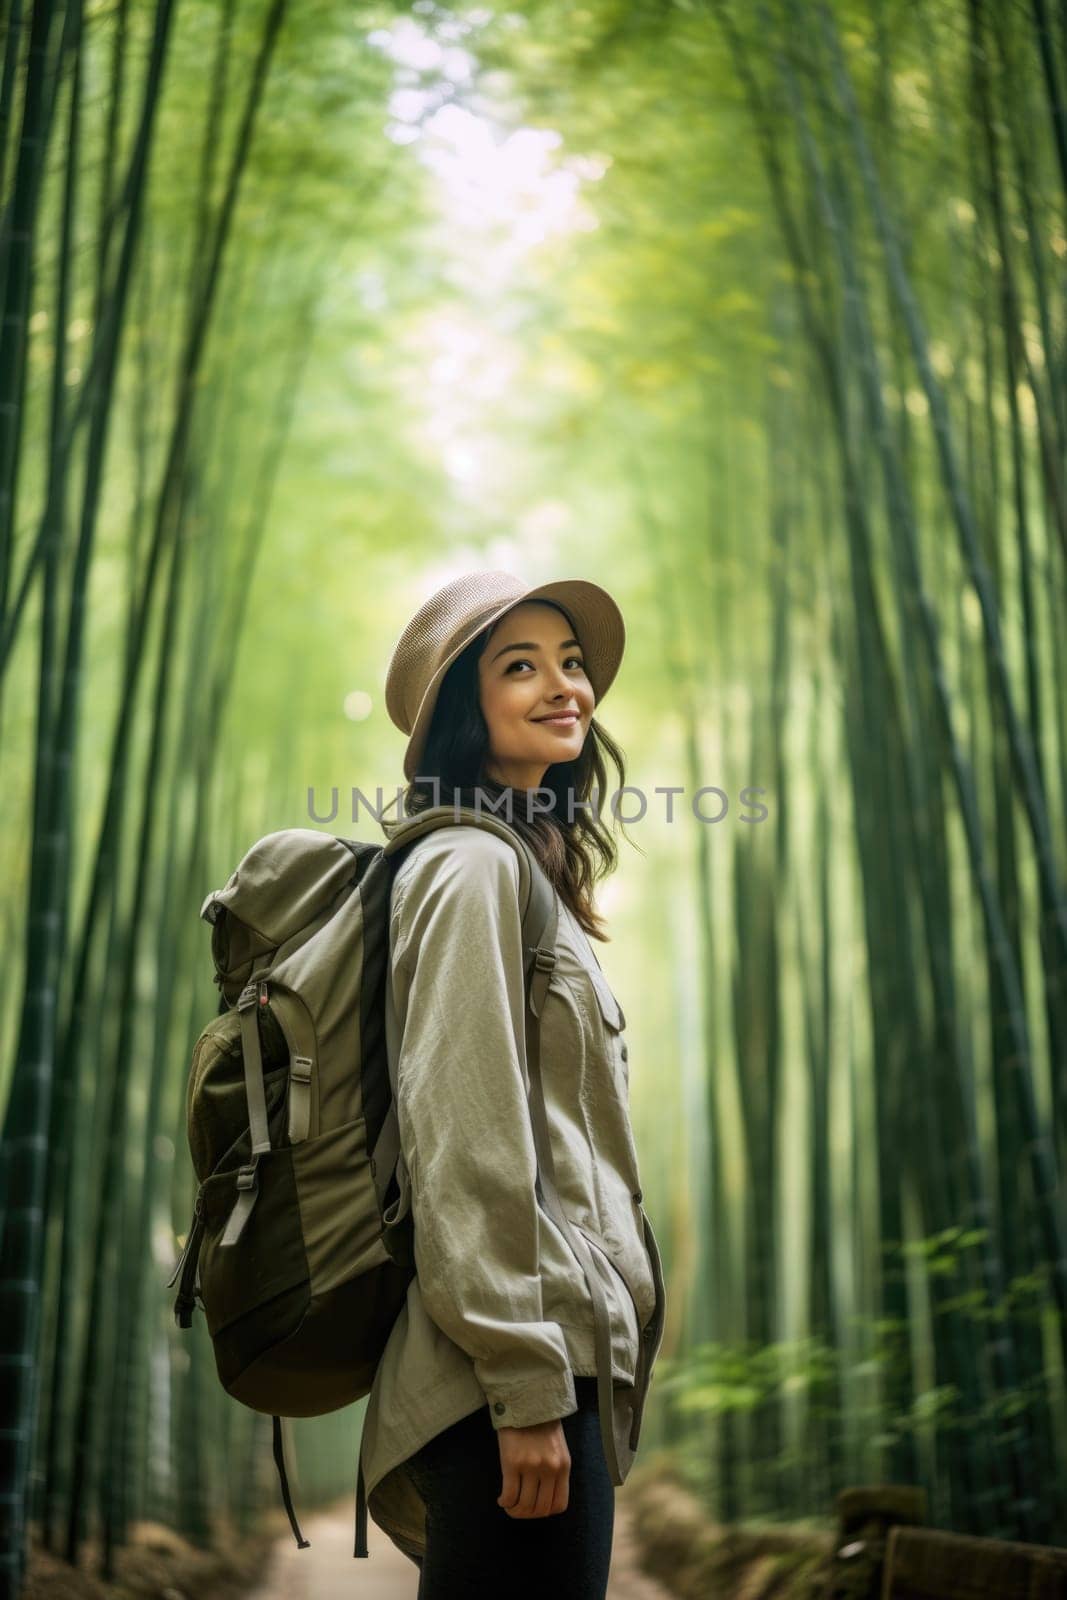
x=499 y=1310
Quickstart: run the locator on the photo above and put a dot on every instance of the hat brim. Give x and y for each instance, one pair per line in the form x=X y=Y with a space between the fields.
x=597 y=622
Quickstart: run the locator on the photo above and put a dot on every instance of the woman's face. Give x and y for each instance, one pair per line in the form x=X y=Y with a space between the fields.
x=533 y=668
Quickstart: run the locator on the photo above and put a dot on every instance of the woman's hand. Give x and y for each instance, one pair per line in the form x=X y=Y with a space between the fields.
x=536 y=1465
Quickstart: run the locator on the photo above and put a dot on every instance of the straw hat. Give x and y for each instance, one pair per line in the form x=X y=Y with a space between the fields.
x=452 y=617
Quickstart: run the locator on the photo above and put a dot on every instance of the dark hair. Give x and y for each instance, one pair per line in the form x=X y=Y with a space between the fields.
x=574 y=855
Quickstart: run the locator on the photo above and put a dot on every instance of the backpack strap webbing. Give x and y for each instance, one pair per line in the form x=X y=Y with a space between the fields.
x=542 y=915
x=253 y=995
x=539 y=926
x=385 y=1156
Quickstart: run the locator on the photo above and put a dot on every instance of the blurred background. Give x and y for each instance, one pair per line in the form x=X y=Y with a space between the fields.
x=755 y=313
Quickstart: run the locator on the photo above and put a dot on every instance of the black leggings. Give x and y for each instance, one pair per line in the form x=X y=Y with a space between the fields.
x=475 y=1551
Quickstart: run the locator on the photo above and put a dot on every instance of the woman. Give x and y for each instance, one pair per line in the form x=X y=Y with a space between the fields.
x=489 y=1455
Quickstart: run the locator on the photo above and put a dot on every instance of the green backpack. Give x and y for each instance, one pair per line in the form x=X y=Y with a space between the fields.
x=300 y=1248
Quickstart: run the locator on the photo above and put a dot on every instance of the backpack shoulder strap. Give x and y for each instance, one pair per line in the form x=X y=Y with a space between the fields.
x=537 y=900
x=536 y=895
x=539 y=924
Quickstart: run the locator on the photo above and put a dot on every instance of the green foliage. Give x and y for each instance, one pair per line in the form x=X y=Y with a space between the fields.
x=757 y=312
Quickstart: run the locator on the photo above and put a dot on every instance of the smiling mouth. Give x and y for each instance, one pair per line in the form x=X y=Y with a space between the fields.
x=565 y=719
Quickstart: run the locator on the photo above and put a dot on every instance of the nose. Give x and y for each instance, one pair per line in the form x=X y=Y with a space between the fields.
x=564 y=688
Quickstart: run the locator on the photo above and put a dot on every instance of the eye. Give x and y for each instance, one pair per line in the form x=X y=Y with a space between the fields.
x=522 y=662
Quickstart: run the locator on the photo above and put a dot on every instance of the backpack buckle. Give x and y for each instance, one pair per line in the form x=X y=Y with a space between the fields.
x=246 y=1176
x=255 y=992
x=544 y=960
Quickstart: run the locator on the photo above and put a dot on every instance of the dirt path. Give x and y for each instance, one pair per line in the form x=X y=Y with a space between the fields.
x=329 y=1571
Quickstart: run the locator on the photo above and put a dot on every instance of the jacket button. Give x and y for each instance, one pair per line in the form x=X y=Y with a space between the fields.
x=638 y=1196
x=499 y=1407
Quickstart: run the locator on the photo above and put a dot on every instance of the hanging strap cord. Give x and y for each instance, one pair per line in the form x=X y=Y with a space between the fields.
x=279 y=1462
x=361 y=1507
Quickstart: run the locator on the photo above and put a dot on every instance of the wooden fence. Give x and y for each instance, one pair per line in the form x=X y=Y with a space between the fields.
x=883 y=1552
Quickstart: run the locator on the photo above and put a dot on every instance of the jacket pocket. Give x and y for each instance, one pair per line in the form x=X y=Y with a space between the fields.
x=614 y=1023
x=616 y=1146
x=614 y=1258
x=564 y=1286
x=610 y=1009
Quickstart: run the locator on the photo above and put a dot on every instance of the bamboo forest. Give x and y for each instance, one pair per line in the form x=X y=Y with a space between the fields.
x=754 y=314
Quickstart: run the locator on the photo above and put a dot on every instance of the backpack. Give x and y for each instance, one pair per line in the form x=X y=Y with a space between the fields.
x=300 y=1247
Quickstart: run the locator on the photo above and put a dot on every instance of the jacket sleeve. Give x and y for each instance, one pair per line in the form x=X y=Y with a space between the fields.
x=456 y=971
